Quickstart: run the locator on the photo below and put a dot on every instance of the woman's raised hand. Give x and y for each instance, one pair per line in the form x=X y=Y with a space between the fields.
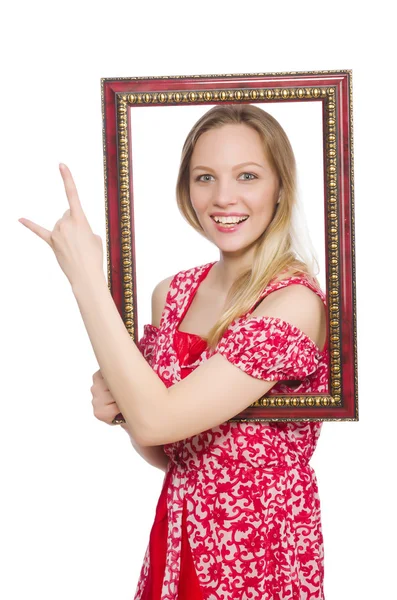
x=78 y=250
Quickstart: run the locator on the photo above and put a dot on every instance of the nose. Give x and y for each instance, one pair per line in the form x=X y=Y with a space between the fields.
x=224 y=194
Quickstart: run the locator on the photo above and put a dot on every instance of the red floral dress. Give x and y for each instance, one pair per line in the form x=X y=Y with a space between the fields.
x=238 y=516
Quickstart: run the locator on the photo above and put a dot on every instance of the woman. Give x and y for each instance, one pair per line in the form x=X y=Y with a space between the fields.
x=239 y=514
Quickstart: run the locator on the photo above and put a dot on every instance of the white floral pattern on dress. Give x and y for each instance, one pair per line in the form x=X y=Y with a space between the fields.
x=253 y=509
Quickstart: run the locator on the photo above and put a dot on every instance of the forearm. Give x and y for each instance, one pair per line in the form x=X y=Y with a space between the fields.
x=154 y=455
x=138 y=391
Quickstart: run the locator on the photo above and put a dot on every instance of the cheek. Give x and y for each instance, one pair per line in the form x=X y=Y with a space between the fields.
x=259 y=195
x=264 y=196
x=262 y=206
x=198 y=199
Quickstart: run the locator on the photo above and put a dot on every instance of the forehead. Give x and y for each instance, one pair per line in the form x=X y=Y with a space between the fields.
x=228 y=144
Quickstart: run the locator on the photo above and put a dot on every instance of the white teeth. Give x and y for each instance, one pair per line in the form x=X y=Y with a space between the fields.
x=229 y=219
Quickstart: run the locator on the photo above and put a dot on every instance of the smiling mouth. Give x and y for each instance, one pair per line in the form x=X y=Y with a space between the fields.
x=229 y=221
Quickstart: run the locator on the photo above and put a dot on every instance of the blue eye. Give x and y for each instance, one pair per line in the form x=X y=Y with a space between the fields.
x=251 y=175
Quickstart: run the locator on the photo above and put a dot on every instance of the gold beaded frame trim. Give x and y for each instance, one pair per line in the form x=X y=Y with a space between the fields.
x=338 y=174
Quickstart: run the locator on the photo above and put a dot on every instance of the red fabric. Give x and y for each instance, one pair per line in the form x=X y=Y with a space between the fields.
x=242 y=501
x=158 y=548
x=188 y=346
x=189 y=587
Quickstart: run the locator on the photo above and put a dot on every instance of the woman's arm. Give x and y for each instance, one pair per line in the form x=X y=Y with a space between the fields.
x=214 y=392
x=154 y=455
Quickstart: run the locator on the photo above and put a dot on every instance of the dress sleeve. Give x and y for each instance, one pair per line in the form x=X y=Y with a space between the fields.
x=147 y=342
x=269 y=348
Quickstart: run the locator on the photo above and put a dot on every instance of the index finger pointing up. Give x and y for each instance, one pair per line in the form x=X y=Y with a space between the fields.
x=71 y=192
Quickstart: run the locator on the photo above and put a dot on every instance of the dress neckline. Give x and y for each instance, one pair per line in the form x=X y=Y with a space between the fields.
x=194 y=289
x=192 y=293
x=197 y=280
x=188 y=334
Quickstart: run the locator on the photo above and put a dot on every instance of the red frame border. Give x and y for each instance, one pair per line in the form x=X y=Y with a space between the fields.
x=341 y=81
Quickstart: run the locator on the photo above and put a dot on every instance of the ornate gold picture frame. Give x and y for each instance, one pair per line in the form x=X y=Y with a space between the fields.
x=330 y=95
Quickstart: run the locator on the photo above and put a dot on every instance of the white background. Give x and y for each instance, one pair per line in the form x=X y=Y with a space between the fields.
x=157 y=138
x=77 y=503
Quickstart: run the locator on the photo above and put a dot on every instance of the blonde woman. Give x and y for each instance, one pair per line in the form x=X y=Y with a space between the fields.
x=239 y=513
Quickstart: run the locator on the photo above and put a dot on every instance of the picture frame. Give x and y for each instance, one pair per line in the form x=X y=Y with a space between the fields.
x=327 y=96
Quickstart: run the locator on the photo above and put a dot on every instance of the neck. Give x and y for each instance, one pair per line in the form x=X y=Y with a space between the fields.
x=229 y=267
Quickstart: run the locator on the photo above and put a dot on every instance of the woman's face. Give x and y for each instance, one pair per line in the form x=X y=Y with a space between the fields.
x=231 y=179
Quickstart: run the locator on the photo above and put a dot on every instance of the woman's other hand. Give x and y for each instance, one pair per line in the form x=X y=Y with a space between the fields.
x=105 y=407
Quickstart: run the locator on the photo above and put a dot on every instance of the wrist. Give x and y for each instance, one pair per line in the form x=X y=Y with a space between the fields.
x=88 y=281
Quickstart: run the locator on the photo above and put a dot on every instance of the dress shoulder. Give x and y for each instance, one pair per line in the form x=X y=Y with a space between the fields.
x=269 y=348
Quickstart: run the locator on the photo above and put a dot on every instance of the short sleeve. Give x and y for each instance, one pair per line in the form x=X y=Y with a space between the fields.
x=147 y=342
x=269 y=348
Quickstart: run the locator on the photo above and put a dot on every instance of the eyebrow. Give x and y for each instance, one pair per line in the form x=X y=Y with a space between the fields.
x=235 y=167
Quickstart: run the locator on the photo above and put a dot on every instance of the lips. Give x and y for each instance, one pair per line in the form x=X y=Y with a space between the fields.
x=229 y=227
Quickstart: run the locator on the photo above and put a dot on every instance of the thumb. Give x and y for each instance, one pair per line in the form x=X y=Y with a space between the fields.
x=43 y=233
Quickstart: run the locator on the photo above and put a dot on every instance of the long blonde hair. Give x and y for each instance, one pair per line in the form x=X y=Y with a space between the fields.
x=279 y=247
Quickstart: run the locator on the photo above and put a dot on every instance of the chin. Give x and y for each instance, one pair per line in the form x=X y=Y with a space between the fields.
x=232 y=247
